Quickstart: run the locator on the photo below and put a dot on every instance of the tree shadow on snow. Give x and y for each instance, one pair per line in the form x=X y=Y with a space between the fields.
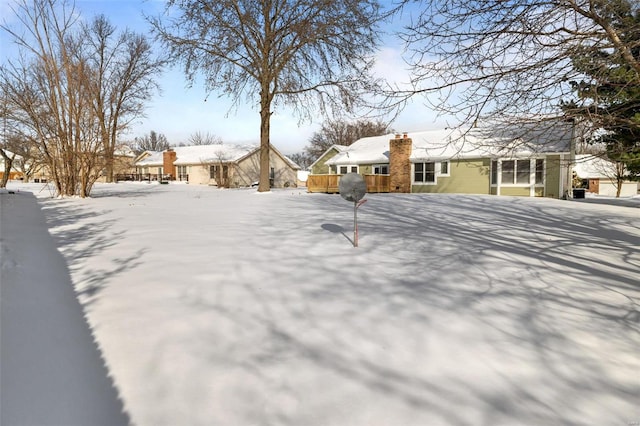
x=509 y=310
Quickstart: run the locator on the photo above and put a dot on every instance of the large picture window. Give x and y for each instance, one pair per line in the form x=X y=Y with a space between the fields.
x=494 y=172
x=539 y=171
x=523 y=171
x=518 y=172
x=424 y=172
x=508 y=171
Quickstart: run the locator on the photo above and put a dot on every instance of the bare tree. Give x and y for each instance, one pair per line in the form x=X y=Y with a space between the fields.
x=340 y=132
x=123 y=69
x=199 y=138
x=283 y=52
x=72 y=91
x=8 y=158
x=47 y=89
x=152 y=142
x=221 y=169
x=302 y=159
x=494 y=60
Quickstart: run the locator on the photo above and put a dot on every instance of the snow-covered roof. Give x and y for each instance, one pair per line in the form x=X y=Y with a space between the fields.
x=455 y=143
x=593 y=167
x=339 y=148
x=124 y=151
x=152 y=158
x=374 y=149
x=200 y=154
x=211 y=153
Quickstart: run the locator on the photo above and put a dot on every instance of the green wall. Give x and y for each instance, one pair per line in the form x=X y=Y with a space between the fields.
x=516 y=191
x=552 y=178
x=321 y=168
x=465 y=177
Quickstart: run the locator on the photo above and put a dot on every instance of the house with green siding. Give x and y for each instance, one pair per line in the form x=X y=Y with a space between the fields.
x=531 y=159
x=320 y=167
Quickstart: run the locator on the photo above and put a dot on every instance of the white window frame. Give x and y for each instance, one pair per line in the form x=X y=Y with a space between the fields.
x=349 y=168
x=439 y=168
x=435 y=173
x=532 y=174
x=373 y=169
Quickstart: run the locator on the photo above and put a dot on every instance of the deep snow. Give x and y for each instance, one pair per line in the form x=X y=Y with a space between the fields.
x=231 y=307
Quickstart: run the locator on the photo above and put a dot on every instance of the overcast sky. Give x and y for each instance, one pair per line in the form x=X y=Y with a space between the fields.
x=179 y=111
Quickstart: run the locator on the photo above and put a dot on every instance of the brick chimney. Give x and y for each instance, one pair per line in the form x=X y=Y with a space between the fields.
x=168 y=158
x=399 y=165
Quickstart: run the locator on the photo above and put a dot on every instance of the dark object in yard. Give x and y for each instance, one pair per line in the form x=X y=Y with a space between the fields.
x=578 y=192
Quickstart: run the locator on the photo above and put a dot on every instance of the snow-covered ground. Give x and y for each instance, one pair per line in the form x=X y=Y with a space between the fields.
x=231 y=307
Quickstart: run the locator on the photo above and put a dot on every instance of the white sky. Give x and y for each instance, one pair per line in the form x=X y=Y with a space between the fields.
x=179 y=112
x=232 y=307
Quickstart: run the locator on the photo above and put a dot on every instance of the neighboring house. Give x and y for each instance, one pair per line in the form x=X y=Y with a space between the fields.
x=598 y=176
x=123 y=162
x=320 y=167
x=14 y=173
x=528 y=161
x=223 y=165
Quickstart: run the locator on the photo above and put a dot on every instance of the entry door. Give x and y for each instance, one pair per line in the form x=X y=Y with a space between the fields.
x=594 y=186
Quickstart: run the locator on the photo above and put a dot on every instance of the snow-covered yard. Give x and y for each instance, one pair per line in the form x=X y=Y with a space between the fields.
x=230 y=307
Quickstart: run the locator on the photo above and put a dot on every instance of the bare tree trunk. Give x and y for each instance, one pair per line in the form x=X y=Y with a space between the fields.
x=620 y=172
x=265 y=121
x=8 y=163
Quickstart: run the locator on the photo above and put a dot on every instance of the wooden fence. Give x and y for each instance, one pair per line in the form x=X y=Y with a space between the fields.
x=329 y=183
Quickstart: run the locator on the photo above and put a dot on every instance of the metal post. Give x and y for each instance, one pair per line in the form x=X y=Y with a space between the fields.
x=355 y=224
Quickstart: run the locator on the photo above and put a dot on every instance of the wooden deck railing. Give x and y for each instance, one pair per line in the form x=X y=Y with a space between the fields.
x=329 y=183
x=141 y=177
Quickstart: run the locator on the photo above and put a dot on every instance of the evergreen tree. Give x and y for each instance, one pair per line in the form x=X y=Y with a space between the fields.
x=608 y=97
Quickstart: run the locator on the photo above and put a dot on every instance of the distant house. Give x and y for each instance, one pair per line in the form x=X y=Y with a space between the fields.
x=14 y=173
x=525 y=161
x=320 y=167
x=598 y=176
x=123 y=162
x=223 y=165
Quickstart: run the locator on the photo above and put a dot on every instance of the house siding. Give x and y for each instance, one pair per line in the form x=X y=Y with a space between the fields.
x=199 y=175
x=552 y=176
x=247 y=171
x=321 y=167
x=515 y=191
x=466 y=177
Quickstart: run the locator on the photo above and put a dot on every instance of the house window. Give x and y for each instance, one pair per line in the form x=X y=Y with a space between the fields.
x=381 y=169
x=539 y=171
x=272 y=173
x=348 y=169
x=494 y=172
x=424 y=172
x=183 y=172
x=508 y=171
x=213 y=172
x=444 y=168
x=523 y=171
